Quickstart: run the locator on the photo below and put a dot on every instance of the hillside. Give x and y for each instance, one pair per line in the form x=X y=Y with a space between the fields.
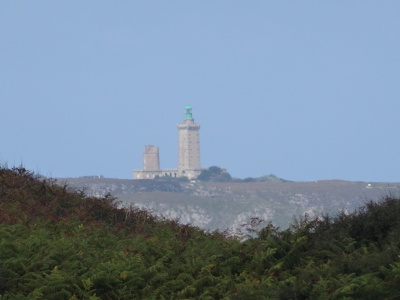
x=212 y=206
x=60 y=244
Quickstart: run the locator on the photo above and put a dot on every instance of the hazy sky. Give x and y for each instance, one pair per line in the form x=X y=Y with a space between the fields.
x=306 y=90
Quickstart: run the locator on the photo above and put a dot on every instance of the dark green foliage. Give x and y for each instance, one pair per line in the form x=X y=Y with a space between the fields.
x=270 y=178
x=216 y=174
x=265 y=178
x=60 y=244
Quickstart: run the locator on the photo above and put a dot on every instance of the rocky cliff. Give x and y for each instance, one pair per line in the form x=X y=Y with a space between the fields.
x=230 y=205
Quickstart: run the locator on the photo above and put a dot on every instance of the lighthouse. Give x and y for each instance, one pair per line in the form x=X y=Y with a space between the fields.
x=188 y=153
x=188 y=146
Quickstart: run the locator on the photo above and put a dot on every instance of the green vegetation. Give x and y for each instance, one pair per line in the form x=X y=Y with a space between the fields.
x=218 y=174
x=215 y=174
x=265 y=178
x=60 y=244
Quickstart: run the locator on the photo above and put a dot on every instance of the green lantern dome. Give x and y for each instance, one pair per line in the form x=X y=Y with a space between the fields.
x=188 y=114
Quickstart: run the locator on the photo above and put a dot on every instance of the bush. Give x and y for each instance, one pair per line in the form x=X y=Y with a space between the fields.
x=215 y=174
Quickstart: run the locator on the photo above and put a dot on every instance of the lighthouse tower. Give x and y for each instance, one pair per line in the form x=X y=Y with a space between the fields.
x=188 y=154
x=188 y=146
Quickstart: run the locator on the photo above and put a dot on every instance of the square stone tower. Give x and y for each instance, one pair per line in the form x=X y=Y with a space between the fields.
x=151 y=158
x=188 y=146
x=188 y=154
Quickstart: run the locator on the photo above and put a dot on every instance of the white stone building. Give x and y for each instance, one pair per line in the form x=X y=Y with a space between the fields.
x=188 y=153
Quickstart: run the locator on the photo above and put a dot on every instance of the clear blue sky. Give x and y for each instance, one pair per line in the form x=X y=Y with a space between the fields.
x=306 y=90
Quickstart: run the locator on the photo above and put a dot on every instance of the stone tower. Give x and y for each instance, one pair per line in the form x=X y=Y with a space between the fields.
x=151 y=158
x=188 y=154
x=189 y=146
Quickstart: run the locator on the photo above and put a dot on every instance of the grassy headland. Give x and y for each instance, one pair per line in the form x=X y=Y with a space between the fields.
x=57 y=243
